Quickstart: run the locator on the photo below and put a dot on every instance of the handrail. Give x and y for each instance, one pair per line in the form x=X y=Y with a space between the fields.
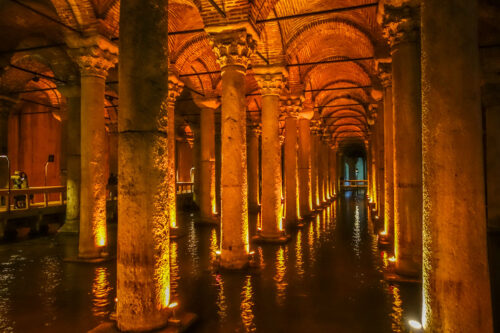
x=45 y=190
x=184 y=187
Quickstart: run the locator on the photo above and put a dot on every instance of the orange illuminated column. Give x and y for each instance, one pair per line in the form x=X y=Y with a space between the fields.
x=73 y=159
x=143 y=264
x=207 y=157
x=373 y=168
x=175 y=87
x=304 y=167
x=386 y=78
x=253 y=167
x=234 y=196
x=291 y=106
x=340 y=168
x=321 y=165
x=270 y=80
x=332 y=163
x=456 y=286
x=380 y=162
x=314 y=164
x=326 y=165
x=95 y=55
x=6 y=105
x=402 y=31
x=368 y=170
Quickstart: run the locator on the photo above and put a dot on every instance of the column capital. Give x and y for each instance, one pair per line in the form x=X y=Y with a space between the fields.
x=271 y=79
x=232 y=47
x=256 y=129
x=6 y=104
x=400 y=22
x=384 y=73
x=95 y=55
x=315 y=126
x=175 y=87
x=291 y=106
x=282 y=139
x=211 y=103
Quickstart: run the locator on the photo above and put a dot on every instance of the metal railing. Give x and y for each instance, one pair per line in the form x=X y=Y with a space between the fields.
x=28 y=193
x=354 y=183
x=184 y=187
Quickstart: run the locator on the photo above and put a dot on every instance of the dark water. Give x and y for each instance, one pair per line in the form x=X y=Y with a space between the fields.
x=328 y=278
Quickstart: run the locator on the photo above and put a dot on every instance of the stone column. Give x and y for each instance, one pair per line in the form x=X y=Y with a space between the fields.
x=339 y=168
x=291 y=107
x=326 y=166
x=304 y=165
x=95 y=55
x=233 y=49
x=380 y=164
x=6 y=105
x=456 y=286
x=388 y=231
x=207 y=157
x=175 y=87
x=271 y=81
x=373 y=168
x=332 y=162
x=314 y=164
x=321 y=167
x=143 y=267
x=368 y=171
x=402 y=25
x=253 y=167
x=73 y=159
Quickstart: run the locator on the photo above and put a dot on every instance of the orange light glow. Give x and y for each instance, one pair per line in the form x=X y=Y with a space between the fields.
x=392 y=259
x=247 y=304
x=100 y=234
x=172 y=305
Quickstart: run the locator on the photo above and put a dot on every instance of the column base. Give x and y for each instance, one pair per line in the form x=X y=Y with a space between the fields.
x=295 y=224
x=399 y=274
x=176 y=233
x=272 y=239
x=94 y=260
x=234 y=261
x=70 y=226
x=208 y=221
x=182 y=322
x=384 y=241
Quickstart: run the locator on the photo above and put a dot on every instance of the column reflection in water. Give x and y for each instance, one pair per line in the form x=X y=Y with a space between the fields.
x=51 y=279
x=213 y=247
x=193 y=245
x=174 y=271
x=397 y=309
x=356 y=237
x=247 y=305
x=298 y=256
x=279 y=277
x=101 y=293
x=310 y=243
x=221 y=298
x=8 y=272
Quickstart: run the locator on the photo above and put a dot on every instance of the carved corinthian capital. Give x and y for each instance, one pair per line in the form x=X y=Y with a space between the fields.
x=233 y=48
x=400 y=22
x=271 y=80
x=292 y=106
x=94 y=55
x=175 y=87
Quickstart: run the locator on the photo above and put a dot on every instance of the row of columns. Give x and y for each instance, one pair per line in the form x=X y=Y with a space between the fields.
x=433 y=197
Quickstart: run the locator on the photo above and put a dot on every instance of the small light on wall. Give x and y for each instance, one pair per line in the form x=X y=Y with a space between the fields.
x=392 y=259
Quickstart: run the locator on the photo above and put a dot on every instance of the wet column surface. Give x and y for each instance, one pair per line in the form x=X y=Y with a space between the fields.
x=73 y=148
x=143 y=258
x=234 y=192
x=253 y=167
x=95 y=55
x=403 y=34
x=304 y=167
x=456 y=286
x=271 y=83
x=314 y=165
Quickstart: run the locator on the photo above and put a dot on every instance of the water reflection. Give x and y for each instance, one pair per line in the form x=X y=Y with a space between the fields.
x=356 y=237
x=247 y=304
x=213 y=247
x=50 y=281
x=221 y=298
x=310 y=243
x=7 y=278
x=279 y=277
x=101 y=290
x=397 y=309
x=174 y=270
x=298 y=255
x=193 y=245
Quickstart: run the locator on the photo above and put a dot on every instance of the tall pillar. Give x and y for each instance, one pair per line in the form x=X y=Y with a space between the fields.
x=6 y=105
x=373 y=168
x=270 y=80
x=314 y=164
x=233 y=61
x=253 y=167
x=368 y=171
x=326 y=167
x=456 y=286
x=386 y=78
x=95 y=55
x=207 y=157
x=73 y=159
x=304 y=167
x=321 y=166
x=339 y=168
x=402 y=31
x=380 y=163
x=175 y=87
x=291 y=107
x=143 y=268
x=332 y=162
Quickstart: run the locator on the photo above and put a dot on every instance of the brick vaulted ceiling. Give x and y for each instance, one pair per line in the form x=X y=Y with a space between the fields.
x=309 y=45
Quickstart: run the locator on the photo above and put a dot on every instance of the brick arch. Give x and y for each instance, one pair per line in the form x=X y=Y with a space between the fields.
x=336 y=84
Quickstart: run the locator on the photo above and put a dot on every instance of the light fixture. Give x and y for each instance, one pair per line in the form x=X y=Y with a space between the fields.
x=415 y=324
